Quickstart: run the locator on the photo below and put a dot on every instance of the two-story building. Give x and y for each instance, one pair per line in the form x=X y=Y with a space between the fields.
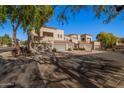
x=73 y=38
x=87 y=38
x=51 y=34
x=62 y=42
x=121 y=41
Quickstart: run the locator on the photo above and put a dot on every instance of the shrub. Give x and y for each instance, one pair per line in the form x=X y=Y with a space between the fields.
x=69 y=49
x=54 y=50
x=81 y=48
x=75 y=49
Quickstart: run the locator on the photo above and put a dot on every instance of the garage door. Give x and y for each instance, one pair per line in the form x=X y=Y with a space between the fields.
x=71 y=46
x=88 y=47
x=60 y=47
x=96 y=47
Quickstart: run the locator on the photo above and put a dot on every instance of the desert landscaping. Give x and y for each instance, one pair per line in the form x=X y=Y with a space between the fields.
x=63 y=69
x=54 y=46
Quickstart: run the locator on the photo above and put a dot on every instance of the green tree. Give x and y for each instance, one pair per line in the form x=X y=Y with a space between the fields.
x=28 y=17
x=13 y=14
x=109 y=12
x=2 y=15
x=6 y=40
x=107 y=39
x=34 y=18
x=23 y=42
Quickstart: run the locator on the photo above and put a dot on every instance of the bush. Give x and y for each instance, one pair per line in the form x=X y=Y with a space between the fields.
x=54 y=50
x=75 y=49
x=69 y=49
x=81 y=48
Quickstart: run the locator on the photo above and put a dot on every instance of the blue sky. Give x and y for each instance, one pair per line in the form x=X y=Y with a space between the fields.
x=83 y=22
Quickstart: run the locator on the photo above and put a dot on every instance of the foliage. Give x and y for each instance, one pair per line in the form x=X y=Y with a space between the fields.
x=107 y=12
x=81 y=48
x=13 y=15
x=34 y=17
x=28 y=17
x=65 y=11
x=54 y=50
x=69 y=49
x=75 y=48
x=2 y=15
x=5 y=40
x=23 y=42
x=107 y=39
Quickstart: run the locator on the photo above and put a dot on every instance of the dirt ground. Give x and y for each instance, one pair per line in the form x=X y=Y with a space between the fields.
x=116 y=56
x=73 y=69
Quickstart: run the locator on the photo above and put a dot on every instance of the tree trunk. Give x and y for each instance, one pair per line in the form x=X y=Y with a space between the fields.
x=14 y=39
x=15 y=42
x=30 y=42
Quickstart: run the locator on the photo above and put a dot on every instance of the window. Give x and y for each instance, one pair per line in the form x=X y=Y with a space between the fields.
x=48 y=34
x=61 y=35
x=58 y=35
x=70 y=40
x=82 y=39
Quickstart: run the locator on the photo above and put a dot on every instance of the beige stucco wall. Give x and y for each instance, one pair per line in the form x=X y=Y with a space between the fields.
x=96 y=45
x=87 y=38
x=66 y=38
x=70 y=45
x=79 y=37
x=74 y=38
x=45 y=29
x=54 y=34
x=57 y=34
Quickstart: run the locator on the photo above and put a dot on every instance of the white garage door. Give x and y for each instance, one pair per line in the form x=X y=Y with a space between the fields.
x=60 y=47
x=88 y=47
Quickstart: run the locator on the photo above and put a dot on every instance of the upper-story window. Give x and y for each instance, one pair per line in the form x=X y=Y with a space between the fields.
x=74 y=37
x=82 y=39
x=47 y=34
x=61 y=35
x=89 y=39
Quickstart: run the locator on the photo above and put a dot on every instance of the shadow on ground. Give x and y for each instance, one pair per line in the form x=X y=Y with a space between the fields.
x=82 y=71
x=20 y=72
x=63 y=70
